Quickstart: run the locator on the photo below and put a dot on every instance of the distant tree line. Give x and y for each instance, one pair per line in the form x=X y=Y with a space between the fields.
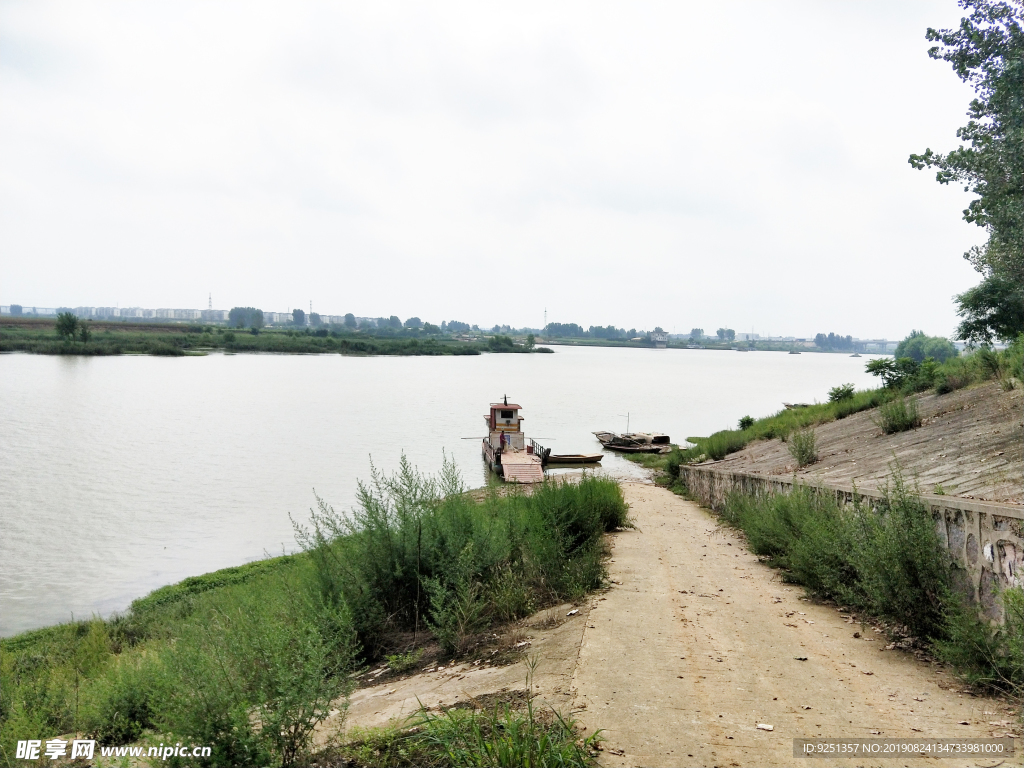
x=574 y=331
x=834 y=342
x=246 y=317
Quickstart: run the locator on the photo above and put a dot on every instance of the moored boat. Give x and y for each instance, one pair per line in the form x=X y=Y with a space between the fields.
x=505 y=449
x=635 y=442
x=574 y=458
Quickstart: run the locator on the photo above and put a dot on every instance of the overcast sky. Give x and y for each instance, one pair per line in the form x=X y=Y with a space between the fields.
x=677 y=164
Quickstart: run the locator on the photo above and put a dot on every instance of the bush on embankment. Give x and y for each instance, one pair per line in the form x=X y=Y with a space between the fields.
x=886 y=560
x=248 y=659
x=780 y=425
x=901 y=378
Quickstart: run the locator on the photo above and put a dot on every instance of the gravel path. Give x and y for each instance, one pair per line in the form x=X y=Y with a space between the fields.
x=697 y=643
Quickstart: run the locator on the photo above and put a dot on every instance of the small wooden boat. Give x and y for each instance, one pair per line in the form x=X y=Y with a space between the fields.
x=794 y=352
x=635 y=442
x=574 y=458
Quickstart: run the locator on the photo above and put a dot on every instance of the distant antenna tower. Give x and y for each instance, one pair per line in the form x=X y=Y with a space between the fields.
x=209 y=304
x=545 y=317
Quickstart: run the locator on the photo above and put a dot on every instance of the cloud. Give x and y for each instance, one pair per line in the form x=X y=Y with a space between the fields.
x=676 y=164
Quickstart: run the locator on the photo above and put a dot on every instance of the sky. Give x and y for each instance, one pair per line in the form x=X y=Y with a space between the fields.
x=681 y=164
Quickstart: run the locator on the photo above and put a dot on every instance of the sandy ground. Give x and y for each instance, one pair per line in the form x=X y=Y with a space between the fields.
x=697 y=643
x=694 y=645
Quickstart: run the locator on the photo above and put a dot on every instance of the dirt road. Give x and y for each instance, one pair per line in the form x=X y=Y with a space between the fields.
x=694 y=645
x=697 y=643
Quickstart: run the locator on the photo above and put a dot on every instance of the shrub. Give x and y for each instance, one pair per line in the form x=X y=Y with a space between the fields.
x=903 y=567
x=802 y=446
x=805 y=532
x=985 y=655
x=841 y=393
x=887 y=559
x=419 y=551
x=746 y=422
x=255 y=671
x=456 y=603
x=898 y=415
x=950 y=382
x=124 y=702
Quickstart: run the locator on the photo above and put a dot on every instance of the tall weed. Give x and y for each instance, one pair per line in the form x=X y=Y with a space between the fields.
x=254 y=674
x=419 y=552
x=803 y=447
x=898 y=415
x=886 y=559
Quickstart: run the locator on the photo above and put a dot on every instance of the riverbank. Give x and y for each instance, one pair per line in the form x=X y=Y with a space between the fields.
x=724 y=346
x=251 y=660
x=180 y=339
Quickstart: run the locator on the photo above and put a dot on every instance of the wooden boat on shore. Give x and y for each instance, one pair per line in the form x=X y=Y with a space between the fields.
x=635 y=442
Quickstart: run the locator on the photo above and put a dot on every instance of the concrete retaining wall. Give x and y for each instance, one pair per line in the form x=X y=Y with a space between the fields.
x=986 y=538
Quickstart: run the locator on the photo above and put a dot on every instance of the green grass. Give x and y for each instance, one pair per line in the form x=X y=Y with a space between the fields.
x=887 y=561
x=249 y=659
x=780 y=425
x=496 y=735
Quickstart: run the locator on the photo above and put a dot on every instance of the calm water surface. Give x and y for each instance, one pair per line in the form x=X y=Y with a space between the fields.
x=122 y=474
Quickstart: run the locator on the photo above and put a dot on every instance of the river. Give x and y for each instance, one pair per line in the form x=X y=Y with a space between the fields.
x=122 y=474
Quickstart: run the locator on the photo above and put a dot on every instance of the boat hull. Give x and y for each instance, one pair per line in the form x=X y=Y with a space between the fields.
x=575 y=458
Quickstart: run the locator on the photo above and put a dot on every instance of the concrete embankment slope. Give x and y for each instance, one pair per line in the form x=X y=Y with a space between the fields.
x=966 y=458
x=697 y=643
x=970 y=445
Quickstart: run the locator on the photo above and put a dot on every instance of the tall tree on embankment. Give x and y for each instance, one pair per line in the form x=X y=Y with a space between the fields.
x=987 y=52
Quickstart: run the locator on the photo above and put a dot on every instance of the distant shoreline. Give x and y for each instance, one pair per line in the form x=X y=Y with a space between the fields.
x=105 y=338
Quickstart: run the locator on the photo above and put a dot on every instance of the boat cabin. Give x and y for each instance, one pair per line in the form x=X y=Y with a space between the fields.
x=504 y=426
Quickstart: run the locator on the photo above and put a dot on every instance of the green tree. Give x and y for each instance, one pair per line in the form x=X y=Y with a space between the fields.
x=730 y=334
x=245 y=317
x=987 y=52
x=893 y=372
x=919 y=346
x=298 y=317
x=350 y=320
x=531 y=341
x=696 y=334
x=67 y=324
x=413 y=322
x=84 y=332
x=721 y=334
